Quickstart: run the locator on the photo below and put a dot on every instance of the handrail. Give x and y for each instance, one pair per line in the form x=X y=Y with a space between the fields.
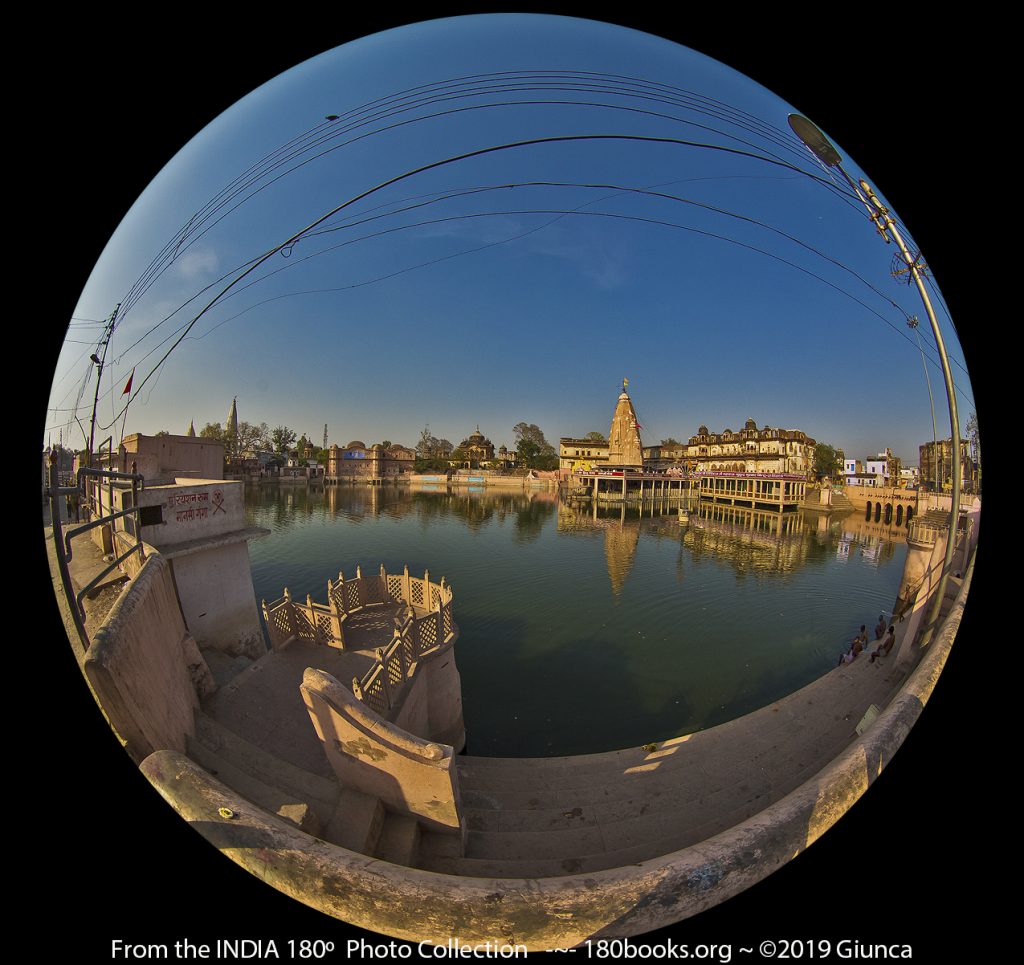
x=425 y=627
x=62 y=540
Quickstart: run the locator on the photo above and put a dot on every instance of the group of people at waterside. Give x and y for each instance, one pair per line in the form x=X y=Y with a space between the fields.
x=860 y=642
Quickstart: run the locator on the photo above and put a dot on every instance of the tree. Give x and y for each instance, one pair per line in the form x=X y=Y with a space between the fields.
x=430 y=447
x=386 y=443
x=671 y=441
x=425 y=447
x=282 y=438
x=212 y=430
x=826 y=461
x=163 y=432
x=595 y=437
x=253 y=438
x=532 y=449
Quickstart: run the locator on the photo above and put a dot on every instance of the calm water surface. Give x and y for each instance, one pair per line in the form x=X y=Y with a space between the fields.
x=583 y=631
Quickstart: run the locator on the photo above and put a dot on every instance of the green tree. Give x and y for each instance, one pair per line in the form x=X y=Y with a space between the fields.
x=826 y=461
x=532 y=449
x=595 y=437
x=212 y=430
x=282 y=438
x=253 y=438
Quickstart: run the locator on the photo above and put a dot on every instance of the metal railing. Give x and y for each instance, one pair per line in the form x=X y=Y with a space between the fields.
x=88 y=498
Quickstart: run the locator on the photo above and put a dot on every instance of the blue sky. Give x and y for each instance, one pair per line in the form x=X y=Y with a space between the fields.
x=516 y=304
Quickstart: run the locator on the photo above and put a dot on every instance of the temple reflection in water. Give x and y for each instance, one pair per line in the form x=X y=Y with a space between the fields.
x=749 y=540
x=624 y=622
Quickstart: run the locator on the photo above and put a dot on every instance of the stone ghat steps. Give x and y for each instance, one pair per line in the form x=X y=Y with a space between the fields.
x=319 y=806
x=707 y=760
x=610 y=830
x=545 y=817
x=258 y=775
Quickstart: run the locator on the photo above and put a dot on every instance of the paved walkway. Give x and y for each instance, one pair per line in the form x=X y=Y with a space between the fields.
x=87 y=562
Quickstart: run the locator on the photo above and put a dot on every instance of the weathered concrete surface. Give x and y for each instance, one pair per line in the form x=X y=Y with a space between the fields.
x=217 y=598
x=138 y=665
x=409 y=775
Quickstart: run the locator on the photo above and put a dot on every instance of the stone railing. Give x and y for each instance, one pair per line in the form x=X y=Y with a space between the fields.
x=425 y=625
x=414 y=637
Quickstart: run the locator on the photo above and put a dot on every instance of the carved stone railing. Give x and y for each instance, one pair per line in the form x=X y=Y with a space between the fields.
x=425 y=625
x=414 y=637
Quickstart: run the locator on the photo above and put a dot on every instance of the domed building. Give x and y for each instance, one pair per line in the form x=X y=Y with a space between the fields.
x=477 y=451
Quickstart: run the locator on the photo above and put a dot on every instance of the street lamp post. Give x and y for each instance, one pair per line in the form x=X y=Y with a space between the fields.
x=822 y=149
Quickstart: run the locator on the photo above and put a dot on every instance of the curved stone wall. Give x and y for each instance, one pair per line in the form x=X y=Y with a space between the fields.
x=549 y=912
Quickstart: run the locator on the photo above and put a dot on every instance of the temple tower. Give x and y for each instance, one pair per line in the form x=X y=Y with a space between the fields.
x=624 y=447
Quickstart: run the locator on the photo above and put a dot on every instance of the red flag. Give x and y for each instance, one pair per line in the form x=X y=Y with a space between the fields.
x=128 y=387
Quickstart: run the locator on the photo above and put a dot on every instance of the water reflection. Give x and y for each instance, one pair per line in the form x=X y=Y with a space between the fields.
x=282 y=507
x=586 y=627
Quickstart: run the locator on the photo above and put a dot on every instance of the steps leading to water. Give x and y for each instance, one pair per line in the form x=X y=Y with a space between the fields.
x=318 y=805
x=260 y=776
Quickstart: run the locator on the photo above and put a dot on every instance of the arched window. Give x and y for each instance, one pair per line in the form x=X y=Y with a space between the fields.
x=899 y=515
x=867 y=511
x=888 y=513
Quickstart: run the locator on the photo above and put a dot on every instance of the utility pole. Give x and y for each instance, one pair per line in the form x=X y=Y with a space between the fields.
x=913 y=266
x=913 y=322
x=108 y=331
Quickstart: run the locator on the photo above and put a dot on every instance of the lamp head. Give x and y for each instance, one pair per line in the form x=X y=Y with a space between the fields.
x=816 y=141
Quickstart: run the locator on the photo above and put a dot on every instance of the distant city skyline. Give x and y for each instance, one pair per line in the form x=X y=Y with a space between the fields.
x=552 y=309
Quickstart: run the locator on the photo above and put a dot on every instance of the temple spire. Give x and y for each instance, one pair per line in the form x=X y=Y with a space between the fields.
x=231 y=428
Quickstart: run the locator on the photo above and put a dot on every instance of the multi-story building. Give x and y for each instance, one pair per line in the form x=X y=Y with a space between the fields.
x=358 y=461
x=909 y=477
x=750 y=450
x=582 y=453
x=878 y=471
x=937 y=466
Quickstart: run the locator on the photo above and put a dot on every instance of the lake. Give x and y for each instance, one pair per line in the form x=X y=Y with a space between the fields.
x=584 y=629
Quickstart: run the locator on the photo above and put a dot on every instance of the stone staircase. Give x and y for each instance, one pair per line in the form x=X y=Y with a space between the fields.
x=545 y=817
x=317 y=805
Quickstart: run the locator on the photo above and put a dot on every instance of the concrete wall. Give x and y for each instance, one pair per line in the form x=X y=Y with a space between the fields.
x=443 y=688
x=860 y=496
x=167 y=456
x=371 y=755
x=432 y=704
x=193 y=509
x=142 y=662
x=217 y=598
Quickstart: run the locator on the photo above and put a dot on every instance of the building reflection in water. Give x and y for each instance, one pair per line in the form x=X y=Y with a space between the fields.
x=749 y=540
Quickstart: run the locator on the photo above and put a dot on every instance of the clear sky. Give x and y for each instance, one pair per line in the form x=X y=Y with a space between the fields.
x=723 y=285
